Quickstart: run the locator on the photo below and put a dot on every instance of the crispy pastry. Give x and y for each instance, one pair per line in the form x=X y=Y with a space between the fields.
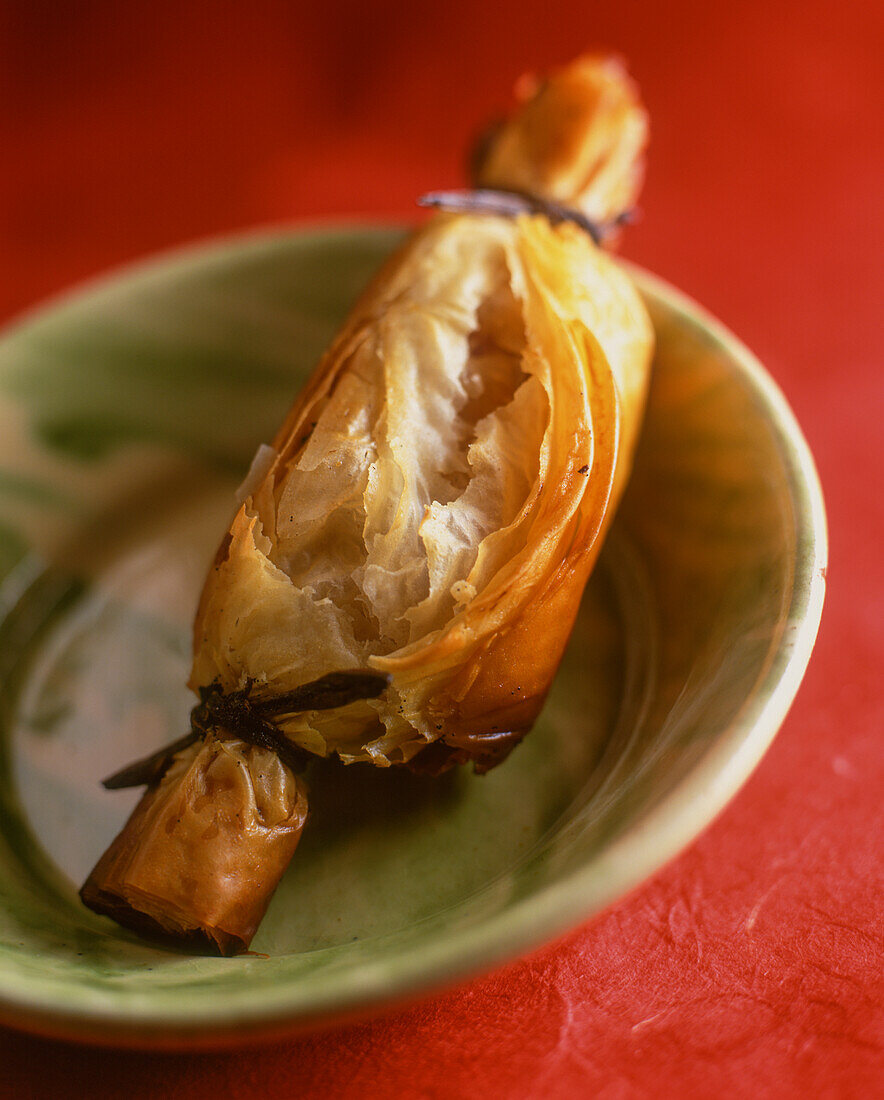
x=418 y=536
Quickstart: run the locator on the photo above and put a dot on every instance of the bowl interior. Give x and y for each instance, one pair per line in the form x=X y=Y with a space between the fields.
x=128 y=414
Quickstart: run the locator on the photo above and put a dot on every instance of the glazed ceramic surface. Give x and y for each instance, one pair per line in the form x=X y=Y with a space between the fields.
x=128 y=414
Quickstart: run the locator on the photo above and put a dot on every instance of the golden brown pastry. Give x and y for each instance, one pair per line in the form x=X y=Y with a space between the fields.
x=196 y=854
x=429 y=511
x=577 y=139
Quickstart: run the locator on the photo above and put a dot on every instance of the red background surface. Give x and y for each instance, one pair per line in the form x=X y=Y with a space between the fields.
x=751 y=966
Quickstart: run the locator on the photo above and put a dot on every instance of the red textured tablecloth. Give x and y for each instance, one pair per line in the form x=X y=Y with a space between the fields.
x=751 y=966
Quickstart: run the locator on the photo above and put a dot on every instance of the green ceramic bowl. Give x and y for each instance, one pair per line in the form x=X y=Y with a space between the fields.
x=128 y=413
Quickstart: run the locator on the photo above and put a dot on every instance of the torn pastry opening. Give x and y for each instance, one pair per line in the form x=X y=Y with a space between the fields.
x=411 y=485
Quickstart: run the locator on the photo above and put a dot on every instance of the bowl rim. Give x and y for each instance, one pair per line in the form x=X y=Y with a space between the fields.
x=645 y=847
